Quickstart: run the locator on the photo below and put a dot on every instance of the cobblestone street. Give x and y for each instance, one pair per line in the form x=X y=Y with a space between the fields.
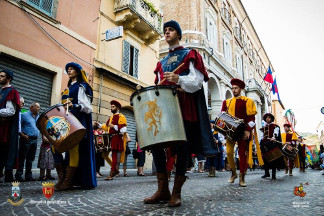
x=201 y=196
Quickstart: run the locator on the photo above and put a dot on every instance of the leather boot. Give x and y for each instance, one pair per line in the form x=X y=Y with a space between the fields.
x=163 y=193
x=290 y=172
x=212 y=172
x=286 y=170
x=61 y=175
x=242 y=180
x=111 y=175
x=266 y=173
x=69 y=177
x=233 y=176
x=176 y=192
x=274 y=174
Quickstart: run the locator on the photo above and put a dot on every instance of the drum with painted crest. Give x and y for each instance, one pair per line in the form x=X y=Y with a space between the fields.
x=230 y=126
x=289 y=150
x=158 y=117
x=102 y=142
x=60 y=127
x=271 y=150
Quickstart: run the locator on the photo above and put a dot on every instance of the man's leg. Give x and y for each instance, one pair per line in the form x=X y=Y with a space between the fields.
x=230 y=159
x=163 y=193
x=30 y=157
x=21 y=160
x=242 y=147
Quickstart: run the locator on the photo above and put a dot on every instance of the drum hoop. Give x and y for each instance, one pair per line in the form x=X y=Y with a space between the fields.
x=46 y=111
x=152 y=87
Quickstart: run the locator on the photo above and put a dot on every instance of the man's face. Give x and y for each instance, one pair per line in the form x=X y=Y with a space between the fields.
x=171 y=35
x=22 y=103
x=287 y=129
x=3 y=79
x=72 y=73
x=35 y=109
x=268 y=119
x=236 y=90
x=114 y=109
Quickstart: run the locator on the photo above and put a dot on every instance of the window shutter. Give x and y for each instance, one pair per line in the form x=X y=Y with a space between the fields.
x=35 y=2
x=135 y=63
x=126 y=52
x=47 y=5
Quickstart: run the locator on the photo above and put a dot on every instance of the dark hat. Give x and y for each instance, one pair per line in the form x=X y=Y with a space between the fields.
x=116 y=103
x=238 y=82
x=74 y=65
x=175 y=25
x=212 y=121
x=9 y=73
x=270 y=115
x=287 y=125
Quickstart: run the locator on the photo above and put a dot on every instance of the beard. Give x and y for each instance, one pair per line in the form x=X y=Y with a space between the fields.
x=114 y=111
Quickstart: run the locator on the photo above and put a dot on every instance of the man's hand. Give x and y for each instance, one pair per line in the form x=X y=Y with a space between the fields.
x=171 y=77
x=111 y=125
x=246 y=135
x=24 y=137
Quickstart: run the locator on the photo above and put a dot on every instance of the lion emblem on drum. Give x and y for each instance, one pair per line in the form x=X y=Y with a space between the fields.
x=153 y=116
x=57 y=127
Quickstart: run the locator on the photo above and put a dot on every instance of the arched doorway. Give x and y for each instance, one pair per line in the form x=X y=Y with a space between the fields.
x=228 y=94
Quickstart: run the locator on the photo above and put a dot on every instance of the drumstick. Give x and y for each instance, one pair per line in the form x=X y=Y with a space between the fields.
x=67 y=108
x=172 y=72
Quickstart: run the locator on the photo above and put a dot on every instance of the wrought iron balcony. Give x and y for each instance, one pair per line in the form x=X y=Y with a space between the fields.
x=226 y=16
x=141 y=17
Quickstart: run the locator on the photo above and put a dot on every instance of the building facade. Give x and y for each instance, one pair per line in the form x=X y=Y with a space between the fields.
x=225 y=37
x=125 y=61
x=278 y=110
x=39 y=37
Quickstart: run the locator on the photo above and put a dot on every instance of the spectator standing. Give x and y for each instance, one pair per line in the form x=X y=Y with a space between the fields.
x=45 y=160
x=28 y=142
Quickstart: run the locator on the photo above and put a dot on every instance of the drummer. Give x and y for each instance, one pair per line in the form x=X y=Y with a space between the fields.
x=189 y=78
x=80 y=160
x=289 y=137
x=270 y=132
x=243 y=108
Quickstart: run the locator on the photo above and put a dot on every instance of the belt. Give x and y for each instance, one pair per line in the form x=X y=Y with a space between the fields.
x=115 y=134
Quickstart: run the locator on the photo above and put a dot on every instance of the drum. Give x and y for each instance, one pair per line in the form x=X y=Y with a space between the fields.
x=289 y=150
x=101 y=142
x=230 y=126
x=62 y=129
x=158 y=117
x=271 y=150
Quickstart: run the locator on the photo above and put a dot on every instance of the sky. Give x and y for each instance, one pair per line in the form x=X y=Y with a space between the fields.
x=292 y=33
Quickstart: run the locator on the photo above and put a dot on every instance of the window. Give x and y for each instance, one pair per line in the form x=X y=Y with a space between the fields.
x=45 y=6
x=239 y=64
x=212 y=33
x=130 y=59
x=227 y=50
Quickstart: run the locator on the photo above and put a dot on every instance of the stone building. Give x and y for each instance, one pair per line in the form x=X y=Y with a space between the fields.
x=225 y=37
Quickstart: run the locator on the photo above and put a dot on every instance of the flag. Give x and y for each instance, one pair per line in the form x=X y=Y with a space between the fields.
x=268 y=77
x=274 y=87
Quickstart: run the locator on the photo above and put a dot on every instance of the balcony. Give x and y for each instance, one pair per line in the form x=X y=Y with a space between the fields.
x=226 y=16
x=141 y=17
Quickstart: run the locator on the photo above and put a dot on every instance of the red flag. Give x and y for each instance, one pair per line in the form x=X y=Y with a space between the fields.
x=268 y=77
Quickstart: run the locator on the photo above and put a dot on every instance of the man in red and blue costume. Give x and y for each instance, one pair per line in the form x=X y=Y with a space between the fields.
x=243 y=108
x=9 y=120
x=189 y=79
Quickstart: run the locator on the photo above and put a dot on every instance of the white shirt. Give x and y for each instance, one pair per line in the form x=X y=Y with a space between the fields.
x=10 y=109
x=83 y=100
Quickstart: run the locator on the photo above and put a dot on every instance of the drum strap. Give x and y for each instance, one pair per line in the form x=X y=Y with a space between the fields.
x=250 y=162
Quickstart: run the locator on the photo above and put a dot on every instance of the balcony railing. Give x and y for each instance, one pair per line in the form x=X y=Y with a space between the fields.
x=138 y=15
x=226 y=15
